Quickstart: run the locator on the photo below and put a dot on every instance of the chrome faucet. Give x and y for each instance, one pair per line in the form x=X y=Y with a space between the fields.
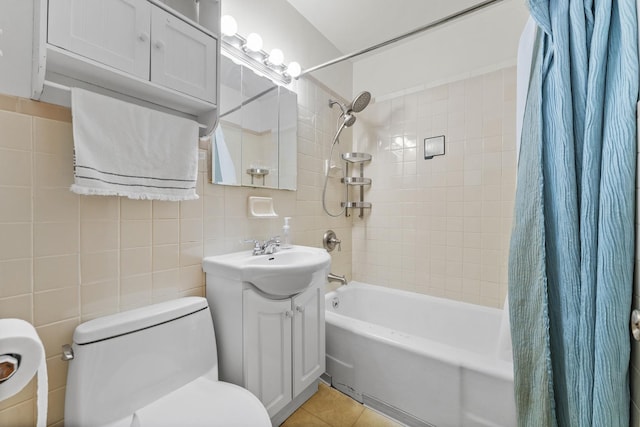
x=271 y=245
x=267 y=247
x=336 y=278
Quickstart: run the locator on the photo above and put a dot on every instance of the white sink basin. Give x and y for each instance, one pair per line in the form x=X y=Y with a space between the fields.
x=284 y=273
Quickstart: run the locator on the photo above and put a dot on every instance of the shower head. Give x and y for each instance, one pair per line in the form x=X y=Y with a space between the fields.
x=360 y=102
x=349 y=119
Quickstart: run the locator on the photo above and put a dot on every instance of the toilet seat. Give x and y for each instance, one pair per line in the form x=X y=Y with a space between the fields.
x=204 y=402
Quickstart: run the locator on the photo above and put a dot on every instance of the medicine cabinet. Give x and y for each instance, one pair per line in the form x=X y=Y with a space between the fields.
x=255 y=143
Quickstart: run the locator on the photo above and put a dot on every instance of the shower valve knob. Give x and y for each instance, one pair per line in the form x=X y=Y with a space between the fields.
x=330 y=241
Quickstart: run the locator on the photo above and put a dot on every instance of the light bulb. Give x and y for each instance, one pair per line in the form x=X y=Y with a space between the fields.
x=228 y=25
x=254 y=42
x=294 y=69
x=276 y=57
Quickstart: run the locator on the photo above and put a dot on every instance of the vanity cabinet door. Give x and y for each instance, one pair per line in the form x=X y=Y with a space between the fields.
x=182 y=57
x=308 y=338
x=113 y=32
x=267 y=349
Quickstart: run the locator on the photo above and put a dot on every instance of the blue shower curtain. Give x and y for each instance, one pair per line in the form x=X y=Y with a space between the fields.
x=572 y=244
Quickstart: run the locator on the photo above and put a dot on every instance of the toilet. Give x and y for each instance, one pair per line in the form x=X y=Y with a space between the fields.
x=154 y=366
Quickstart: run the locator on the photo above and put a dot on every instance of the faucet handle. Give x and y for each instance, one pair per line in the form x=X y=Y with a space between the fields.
x=257 y=246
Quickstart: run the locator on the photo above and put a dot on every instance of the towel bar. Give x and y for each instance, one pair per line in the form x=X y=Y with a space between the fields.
x=68 y=89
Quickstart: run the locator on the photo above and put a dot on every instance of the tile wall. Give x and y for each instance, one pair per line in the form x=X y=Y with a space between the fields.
x=65 y=259
x=440 y=226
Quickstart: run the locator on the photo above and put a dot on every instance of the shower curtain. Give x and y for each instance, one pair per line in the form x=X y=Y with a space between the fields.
x=572 y=244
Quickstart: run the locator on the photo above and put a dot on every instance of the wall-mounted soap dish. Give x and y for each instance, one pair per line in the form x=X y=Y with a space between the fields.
x=261 y=207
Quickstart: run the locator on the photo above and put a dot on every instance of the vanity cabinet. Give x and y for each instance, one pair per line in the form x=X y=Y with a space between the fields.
x=138 y=38
x=268 y=316
x=284 y=345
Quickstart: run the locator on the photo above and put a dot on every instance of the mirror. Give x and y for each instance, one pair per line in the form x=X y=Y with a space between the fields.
x=255 y=143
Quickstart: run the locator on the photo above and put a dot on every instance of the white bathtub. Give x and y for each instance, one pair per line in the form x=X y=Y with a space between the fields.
x=423 y=360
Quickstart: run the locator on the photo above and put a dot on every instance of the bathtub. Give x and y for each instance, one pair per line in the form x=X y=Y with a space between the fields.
x=424 y=361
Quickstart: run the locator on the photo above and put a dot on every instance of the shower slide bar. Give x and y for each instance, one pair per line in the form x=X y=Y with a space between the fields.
x=413 y=32
x=68 y=89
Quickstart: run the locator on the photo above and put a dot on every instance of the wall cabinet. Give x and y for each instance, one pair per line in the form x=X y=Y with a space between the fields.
x=284 y=345
x=138 y=38
x=114 y=32
x=154 y=53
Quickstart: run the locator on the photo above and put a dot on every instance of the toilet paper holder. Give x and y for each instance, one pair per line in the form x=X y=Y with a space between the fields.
x=9 y=364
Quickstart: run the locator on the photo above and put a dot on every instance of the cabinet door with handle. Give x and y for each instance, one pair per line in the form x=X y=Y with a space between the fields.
x=112 y=32
x=267 y=349
x=308 y=338
x=183 y=58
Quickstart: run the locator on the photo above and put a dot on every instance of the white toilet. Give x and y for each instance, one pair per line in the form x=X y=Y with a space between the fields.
x=152 y=367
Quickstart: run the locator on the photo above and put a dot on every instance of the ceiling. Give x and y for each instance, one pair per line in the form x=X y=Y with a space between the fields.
x=352 y=25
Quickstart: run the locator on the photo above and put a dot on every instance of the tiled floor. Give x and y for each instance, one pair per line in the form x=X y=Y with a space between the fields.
x=330 y=408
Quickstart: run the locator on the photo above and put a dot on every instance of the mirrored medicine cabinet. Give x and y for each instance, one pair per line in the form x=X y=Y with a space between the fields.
x=255 y=142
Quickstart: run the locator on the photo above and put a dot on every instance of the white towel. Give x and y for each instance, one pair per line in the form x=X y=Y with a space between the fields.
x=123 y=149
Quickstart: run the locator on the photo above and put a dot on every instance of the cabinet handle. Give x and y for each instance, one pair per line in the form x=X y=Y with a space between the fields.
x=299 y=309
x=288 y=314
x=143 y=37
x=159 y=44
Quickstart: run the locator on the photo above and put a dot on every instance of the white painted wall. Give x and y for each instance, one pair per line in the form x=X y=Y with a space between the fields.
x=281 y=26
x=478 y=43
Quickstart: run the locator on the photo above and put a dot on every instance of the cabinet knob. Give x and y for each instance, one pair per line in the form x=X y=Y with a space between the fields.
x=143 y=37
x=288 y=314
x=159 y=44
x=299 y=309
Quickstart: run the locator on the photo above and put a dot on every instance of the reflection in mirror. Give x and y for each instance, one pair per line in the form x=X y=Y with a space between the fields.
x=259 y=131
x=227 y=140
x=255 y=143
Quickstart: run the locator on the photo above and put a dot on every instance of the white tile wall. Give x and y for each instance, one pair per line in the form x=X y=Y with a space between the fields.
x=440 y=226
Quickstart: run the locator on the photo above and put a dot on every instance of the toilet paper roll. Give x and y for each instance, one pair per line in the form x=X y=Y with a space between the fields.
x=19 y=340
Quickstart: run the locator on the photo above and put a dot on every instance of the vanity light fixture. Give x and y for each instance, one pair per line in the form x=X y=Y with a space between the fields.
x=276 y=57
x=254 y=42
x=294 y=69
x=249 y=52
x=228 y=26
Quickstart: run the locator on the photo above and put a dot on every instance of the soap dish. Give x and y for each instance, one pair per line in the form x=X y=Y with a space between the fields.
x=261 y=207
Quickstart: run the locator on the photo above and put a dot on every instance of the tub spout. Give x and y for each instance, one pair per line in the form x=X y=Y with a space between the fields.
x=336 y=278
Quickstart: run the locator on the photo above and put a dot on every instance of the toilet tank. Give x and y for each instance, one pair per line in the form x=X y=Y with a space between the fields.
x=125 y=361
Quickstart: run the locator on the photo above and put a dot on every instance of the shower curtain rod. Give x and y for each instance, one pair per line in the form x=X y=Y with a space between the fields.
x=413 y=32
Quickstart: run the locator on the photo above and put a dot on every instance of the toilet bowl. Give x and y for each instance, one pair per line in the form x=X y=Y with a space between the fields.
x=154 y=366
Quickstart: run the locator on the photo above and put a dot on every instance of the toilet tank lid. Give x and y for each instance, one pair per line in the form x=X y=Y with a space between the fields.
x=134 y=320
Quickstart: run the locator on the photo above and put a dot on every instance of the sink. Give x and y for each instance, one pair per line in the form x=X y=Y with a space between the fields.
x=284 y=273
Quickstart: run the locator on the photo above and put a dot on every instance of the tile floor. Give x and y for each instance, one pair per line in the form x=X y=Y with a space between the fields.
x=330 y=408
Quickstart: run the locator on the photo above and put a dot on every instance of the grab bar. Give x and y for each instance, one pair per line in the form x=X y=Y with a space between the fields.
x=68 y=89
